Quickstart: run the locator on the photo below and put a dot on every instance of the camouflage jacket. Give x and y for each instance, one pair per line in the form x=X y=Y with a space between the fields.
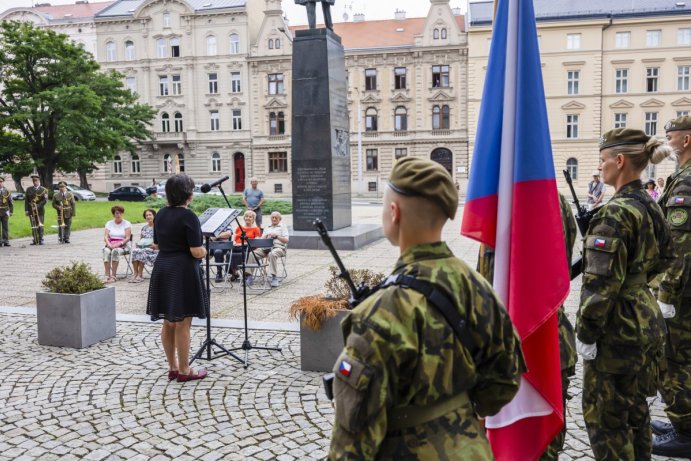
x=401 y=352
x=567 y=337
x=627 y=243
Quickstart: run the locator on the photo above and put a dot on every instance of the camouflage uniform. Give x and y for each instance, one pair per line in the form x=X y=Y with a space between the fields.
x=567 y=339
x=64 y=202
x=676 y=380
x=627 y=243
x=401 y=355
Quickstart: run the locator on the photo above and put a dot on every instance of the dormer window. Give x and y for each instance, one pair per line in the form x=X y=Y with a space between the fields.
x=435 y=34
x=443 y=34
x=277 y=42
x=271 y=43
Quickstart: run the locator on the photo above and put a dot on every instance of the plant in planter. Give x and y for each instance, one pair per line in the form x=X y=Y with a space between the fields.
x=321 y=338
x=77 y=310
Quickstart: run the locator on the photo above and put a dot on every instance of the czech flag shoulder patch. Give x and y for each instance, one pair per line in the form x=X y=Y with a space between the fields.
x=600 y=243
x=679 y=200
x=344 y=368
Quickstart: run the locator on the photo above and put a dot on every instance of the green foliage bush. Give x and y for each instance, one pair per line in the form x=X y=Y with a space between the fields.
x=201 y=202
x=75 y=279
x=336 y=287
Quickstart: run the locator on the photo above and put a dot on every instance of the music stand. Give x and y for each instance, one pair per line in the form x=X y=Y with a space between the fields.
x=246 y=344
x=213 y=221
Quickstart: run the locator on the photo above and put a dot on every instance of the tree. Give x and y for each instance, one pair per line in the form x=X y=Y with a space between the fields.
x=69 y=113
x=14 y=157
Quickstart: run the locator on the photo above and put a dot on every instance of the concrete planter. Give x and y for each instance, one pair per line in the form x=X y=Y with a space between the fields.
x=78 y=321
x=320 y=349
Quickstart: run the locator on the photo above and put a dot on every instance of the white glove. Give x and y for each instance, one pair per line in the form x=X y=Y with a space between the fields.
x=587 y=351
x=9 y=214
x=668 y=310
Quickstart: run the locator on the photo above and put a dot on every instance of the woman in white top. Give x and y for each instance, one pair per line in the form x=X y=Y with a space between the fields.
x=117 y=236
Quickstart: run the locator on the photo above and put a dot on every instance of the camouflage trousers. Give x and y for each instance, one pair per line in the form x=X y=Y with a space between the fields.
x=557 y=444
x=675 y=386
x=616 y=415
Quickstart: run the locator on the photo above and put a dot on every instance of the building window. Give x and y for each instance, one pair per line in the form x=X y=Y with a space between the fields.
x=117 y=164
x=651 y=76
x=215 y=120
x=435 y=34
x=110 y=51
x=682 y=113
x=166 y=20
x=175 y=47
x=620 y=120
x=213 y=83
x=572 y=126
x=278 y=188
x=622 y=39
x=161 y=48
x=275 y=83
x=440 y=117
x=177 y=119
x=372 y=186
x=216 y=162
x=440 y=76
x=181 y=163
x=234 y=44
x=278 y=162
x=573 y=41
x=372 y=163
x=651 y=123
x=131 y=84
x=400 y=119
x=177 y=85
x=370 y=79
x=572 y=167
x=399 y=74
x=163 y=85
x=650 y=171
x=371 y=119
x=235 y=82
x=136 y=166
x=211 y=46
x=271 y=43
x=237 y=119
x=278 y=43
x=684 y=37
x=277 y=123
x=683 y=73
x=400 y=152
x=129 y=50
x=443 y=34
x=652 y=37
x=165 y=122
x=572 y=81
x=621 y=82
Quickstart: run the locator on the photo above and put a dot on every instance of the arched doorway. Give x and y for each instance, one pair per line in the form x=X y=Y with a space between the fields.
x=444 y=157
x=239 y=167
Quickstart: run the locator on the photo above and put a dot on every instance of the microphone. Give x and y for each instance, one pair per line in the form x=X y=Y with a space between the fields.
x=207 y=187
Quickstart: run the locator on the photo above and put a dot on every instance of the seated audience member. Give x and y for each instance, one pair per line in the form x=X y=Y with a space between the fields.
x=251 y=231
x=117 y=236
x=146 y=250
x=650 y=188
x=279 y=233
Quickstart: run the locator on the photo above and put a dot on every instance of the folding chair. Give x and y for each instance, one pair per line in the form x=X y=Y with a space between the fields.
x=226 y=245
x=257 y=264
x=284 y=271
x=127 y=256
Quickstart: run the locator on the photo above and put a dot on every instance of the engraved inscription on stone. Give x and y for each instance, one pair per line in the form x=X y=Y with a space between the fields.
x=311 y=180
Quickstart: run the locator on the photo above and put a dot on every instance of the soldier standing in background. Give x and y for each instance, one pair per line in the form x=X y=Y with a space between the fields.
x=674 y=439
x=64 y=204
x=36 y=198
x=567 y=337
x=407 y=384
x=619 y=326
x=6 y=210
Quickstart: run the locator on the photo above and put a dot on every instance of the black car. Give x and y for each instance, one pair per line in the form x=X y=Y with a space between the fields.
x=128 y=193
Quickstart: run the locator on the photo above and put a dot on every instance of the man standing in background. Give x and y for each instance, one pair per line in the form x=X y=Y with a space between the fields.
x=596 y=191
x=253 y=198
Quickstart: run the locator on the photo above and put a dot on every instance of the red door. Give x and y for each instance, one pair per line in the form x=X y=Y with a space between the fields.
x=239 y=165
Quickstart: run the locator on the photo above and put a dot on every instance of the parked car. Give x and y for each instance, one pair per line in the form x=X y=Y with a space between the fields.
x=17 y=195
x=128 y=193
x=79 y=192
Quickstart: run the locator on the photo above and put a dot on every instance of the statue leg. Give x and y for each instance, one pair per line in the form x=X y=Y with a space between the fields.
x=312 y=15
x=326 y=9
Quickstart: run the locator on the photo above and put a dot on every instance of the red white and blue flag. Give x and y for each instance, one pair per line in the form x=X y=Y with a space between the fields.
x=511 y=204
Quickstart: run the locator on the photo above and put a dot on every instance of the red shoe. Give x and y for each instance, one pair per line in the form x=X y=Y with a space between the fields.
x=173 y=374
x=199 y=374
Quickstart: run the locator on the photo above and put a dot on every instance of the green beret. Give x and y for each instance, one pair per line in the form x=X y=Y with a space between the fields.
x=679 y=123
x=62 y=183
x=622 y=137
x=416 y=177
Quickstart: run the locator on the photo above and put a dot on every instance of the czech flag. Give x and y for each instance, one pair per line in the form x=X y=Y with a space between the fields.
x=512 y=206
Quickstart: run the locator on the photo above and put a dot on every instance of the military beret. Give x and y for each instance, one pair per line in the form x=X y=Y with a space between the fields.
x=35 y=176
x=62 y=183
x=622 y=137
x=679 y=123
x=416 y=177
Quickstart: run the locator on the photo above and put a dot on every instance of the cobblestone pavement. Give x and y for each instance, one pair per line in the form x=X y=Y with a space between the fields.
x=113 y=401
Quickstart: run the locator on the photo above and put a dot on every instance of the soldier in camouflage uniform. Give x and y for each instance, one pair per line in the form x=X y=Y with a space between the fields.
x=619 y=326
x=567 y=337
x=6 y=210
x=406 y=385
x=64 y=204
x=674 y=439
x=35 y=200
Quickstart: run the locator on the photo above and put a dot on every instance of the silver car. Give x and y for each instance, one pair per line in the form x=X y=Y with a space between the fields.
x=79 y=192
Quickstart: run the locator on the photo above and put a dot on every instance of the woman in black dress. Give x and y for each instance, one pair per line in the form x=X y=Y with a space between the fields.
x=176 y=291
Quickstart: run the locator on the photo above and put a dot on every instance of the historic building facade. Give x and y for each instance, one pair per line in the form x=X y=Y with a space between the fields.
x=605 y=65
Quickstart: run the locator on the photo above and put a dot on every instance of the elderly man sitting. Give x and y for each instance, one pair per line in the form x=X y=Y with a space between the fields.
x=279 y=232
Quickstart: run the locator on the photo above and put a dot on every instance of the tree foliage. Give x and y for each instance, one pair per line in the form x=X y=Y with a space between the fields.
x=69 y=114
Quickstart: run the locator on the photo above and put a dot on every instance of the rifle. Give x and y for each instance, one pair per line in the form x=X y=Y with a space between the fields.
x=583 y=218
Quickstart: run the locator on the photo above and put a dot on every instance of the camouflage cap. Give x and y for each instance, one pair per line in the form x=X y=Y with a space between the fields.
x=416 y=177
x=622 y=137
x=679 y=124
